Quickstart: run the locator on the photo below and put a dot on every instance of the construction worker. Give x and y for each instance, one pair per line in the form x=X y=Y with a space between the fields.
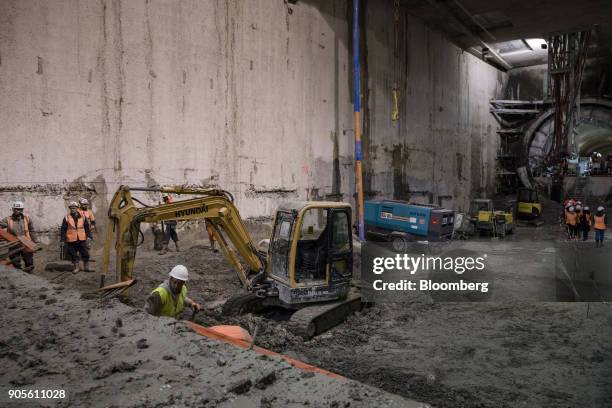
x=585 y=223
x=572 y=222
x=578 y=216
x=600 y=220
x=87 y=213
x=20 y=224
x=211 y=235
x=170 y=298
x=170 y=228
x=74 y=233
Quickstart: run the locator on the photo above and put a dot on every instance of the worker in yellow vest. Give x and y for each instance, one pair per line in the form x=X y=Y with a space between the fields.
x=600 y=220
x=170 y=298
x=20 y=224
x=74 y=233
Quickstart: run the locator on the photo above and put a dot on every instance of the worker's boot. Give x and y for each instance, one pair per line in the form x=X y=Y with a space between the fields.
x=212 y=246
x=29 y=269
x=76 y=266
x=176 y=245
x=86 y=266
x=164 y=249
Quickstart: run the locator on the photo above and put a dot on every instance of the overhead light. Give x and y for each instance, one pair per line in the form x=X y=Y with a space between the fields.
x=537 y=43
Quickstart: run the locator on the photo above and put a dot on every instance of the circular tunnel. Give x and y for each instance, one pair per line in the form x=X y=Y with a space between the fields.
x=592 y=133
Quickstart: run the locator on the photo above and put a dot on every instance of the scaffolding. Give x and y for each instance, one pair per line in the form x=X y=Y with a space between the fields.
x=566 y=59
x=512 y=115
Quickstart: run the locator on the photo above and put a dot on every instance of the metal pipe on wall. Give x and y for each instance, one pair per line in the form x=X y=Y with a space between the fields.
x=357 y=109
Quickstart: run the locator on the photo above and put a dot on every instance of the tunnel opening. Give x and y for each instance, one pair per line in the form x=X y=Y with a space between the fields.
x=591 y=135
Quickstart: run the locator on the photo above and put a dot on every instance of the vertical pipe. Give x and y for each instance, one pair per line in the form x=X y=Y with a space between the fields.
x=358 y=172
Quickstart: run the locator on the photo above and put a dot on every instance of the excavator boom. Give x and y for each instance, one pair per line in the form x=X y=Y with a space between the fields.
x=214 y=205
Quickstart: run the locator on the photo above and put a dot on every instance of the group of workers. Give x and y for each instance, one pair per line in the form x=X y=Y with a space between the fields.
x=76 y=234
x=579 y=221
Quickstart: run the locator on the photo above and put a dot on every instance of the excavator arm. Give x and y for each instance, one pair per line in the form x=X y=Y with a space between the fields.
x=216 y=206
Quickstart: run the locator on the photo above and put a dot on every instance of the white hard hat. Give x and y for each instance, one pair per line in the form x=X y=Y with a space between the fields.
x=572 y=208
x=164 y=195
x=578 y=207
x=83 y=201
x=179 y=272
x=18 y=204
x=600 y=208
x=73 y=204
x=586 y=208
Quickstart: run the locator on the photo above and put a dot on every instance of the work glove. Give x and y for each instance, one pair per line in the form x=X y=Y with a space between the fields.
x=196 y=306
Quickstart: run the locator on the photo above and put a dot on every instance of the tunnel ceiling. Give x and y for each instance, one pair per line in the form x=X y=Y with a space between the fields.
x=496 y=22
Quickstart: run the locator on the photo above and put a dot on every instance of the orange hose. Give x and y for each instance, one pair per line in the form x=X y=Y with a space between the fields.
x=221 y=333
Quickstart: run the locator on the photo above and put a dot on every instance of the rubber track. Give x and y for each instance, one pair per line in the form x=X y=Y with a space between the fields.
x=325 y=316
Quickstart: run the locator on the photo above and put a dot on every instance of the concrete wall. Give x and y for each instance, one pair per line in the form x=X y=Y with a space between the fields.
x=444 y=144
x=250 y=95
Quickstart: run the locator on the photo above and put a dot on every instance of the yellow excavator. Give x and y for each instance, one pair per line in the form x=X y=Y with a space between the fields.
x=306 y=267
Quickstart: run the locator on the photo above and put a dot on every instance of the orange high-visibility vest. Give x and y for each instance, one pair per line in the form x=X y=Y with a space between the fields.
x=571 y=218
x=75 y=232
x=600 y=223
x=26 y=230
x=87 y=214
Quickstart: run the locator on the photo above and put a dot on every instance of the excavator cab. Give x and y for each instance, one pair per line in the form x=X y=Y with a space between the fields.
x=310 y=252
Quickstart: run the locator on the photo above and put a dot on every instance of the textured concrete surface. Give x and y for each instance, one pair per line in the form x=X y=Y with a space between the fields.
x=253 y=96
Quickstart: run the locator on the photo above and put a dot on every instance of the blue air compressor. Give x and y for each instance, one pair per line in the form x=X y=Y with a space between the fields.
x=408 y=221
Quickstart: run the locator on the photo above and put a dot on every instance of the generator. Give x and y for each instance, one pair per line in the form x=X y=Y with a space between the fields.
x=401 y=221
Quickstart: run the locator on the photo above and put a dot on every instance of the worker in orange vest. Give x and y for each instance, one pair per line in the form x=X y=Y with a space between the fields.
x=20 y=224
x=87 y=213
x=89 y=216
x=572 y=222
x=585 y=223
x=211 y=234
x=74 y=233
x=600 y=220
x=578 y=217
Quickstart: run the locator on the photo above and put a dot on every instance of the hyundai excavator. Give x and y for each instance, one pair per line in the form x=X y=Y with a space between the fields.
x=306 y=267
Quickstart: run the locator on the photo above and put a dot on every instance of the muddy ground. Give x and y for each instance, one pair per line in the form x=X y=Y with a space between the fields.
x=104 y=353
x=501 y=354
